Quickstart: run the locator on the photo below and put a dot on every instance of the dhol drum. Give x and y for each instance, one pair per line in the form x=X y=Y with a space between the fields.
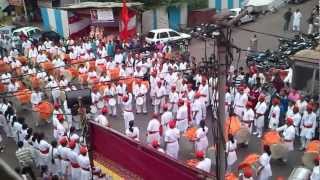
x=242 y=135
x=251 y=161
x=100 y=104
x=93 y=109
x=112 y=101
x=308 y=159
x=139 y=101
x=300 y=173
x=278 y=151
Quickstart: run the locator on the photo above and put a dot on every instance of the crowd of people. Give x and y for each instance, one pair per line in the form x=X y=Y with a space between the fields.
x=179 y=94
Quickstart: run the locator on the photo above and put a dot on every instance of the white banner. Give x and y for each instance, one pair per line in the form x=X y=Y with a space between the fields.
x=105 y=15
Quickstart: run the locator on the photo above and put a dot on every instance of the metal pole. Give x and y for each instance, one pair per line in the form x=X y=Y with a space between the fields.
x=25 y=11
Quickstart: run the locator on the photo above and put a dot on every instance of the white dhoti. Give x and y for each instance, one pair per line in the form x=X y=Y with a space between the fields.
x=238 y=110
x=307 y=132
x=64 y=167
x=85 y=174
x=75 y=173
x=43 y=159
x=172 y=149
x=273 y=123
x=202 y=144
x=153 y=136
x=127 y=116
x=182 y=125
x=289 y=144
x=76 y=122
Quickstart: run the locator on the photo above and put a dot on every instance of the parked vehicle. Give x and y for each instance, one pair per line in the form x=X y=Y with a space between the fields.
x=204 y=31
x=245 y=19
x=166 y=35
x=7 y=30
x=42 y=36
x=28 y=31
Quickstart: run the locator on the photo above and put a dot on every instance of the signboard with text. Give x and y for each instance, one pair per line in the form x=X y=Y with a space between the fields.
x=102 y=15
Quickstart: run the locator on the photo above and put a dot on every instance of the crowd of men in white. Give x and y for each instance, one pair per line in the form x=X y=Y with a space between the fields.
x=177 y=104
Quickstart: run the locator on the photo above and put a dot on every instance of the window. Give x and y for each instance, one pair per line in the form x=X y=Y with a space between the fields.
x=173 y=34
x=163 y=35
x=150 y=35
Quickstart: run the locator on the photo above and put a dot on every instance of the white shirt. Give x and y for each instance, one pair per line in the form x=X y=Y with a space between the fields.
x=153 y=125
x=315 y=173
x=134 y=134
x=165 y=118
x=204 y=165
x=118 y=58
x=36 y=98
x=289 y=132
x=101 y=119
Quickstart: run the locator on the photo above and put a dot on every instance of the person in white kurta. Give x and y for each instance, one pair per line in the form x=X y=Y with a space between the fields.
x=153 y=129
x=73 y=158
x=139 y=91
x=288 y=134
x=231 y=148
x=182 y=116
x=201 y=141
x=133 y=131
x=44 y=148
x=173 y=99
x=197 y=114
x=204 y=90
x=84 y=163
x=166 y=117
x=265 y=173
x=248 y=117
x=308 y=125
x=36 y=98
x=111 y=95
x=159 y=101
x=315 y=175
x=297 y=16
x=204 y=163
x=127 y=110
x=296 y=119
x=240 y=100
x=102 y=118
x=260 y=109
x=274 y=114
x=171 y=138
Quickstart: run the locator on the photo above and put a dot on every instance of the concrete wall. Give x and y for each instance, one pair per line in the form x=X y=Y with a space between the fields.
x=158 y=18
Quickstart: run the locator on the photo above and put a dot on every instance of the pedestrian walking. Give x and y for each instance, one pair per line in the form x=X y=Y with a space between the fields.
x=297 y=16
x=310 y=24
x=287 y=17
x=254 y=43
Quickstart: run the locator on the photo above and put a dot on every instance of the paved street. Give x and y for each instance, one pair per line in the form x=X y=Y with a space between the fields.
x=271 y=23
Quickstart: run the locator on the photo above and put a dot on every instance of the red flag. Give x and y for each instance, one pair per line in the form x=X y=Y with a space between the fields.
x=124 y=21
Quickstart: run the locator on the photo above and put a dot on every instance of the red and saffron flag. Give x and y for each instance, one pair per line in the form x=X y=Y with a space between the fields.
x=124 y=21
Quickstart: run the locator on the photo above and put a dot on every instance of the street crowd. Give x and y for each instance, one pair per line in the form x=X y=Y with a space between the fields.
x=160 y=76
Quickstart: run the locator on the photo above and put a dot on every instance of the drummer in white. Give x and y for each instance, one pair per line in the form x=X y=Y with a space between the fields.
x=153 y=129
x=166 y=117
x=274 y=114
x=288 y=135
x=201 y=141
x=127 y=110
x=139 y=91
x=261 y=108
x=101 y=118
x=231 y=148
x=133 y=131
x=171 y=138
x=240 y=101
x=308 y=126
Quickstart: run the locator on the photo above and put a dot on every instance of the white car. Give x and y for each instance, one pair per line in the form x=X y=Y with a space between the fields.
x=245 y=19
x=29 y=31
x=166 y=35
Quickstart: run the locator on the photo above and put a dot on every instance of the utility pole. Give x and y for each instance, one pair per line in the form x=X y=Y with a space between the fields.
x=222 y=61
x=223 y=44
